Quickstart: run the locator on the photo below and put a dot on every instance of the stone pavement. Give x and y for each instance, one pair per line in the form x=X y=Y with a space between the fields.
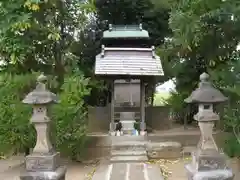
x=128 y=171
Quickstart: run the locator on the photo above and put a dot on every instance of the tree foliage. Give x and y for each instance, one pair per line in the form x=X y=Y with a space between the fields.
x=205 y=37
x=16 y=133
x=70 y=116
x=227 y=78
x=205 y=34
x=37 y=35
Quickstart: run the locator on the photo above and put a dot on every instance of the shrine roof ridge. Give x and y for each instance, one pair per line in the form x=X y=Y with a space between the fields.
x=125 y=31
x=127 y=49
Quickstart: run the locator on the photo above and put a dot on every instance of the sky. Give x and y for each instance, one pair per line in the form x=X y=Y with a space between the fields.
x=166 y=87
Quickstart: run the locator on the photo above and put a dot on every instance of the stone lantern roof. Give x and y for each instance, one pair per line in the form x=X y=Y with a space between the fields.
x=206 y=93
x=40 y=95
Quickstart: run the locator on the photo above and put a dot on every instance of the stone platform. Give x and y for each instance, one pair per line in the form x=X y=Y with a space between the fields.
x=128 y=171
x=100 y=143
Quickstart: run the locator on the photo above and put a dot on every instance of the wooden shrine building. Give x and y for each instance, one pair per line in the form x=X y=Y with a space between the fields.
x=126 y=54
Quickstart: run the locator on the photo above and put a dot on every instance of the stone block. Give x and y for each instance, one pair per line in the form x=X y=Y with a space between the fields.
x=42 y=162
x=58 y=174
x=163 y=150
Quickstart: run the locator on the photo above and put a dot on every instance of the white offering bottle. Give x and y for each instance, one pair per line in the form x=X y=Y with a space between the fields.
x=118 y=133
x=136 y=133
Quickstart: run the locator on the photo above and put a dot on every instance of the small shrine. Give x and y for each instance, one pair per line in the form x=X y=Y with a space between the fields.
x=127 y=56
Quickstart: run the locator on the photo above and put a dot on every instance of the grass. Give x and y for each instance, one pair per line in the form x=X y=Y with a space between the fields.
x=160 y=98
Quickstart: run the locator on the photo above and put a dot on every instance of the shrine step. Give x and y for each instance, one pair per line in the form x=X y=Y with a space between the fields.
x=128 y=153
x=127 y=138
x=124 y=159
x=164 y=150
x=129 y=145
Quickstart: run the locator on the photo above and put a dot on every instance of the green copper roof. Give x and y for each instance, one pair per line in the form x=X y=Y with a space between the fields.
x=127 y=31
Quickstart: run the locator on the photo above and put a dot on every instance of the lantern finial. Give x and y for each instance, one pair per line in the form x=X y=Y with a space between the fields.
x=204 y=77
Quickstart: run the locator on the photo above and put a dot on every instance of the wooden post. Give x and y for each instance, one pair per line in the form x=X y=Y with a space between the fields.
x=112 y=124
x=142 y=107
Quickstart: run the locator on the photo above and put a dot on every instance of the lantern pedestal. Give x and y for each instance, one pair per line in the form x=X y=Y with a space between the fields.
x=44 y=162
x=208 y=165
x=44 y=167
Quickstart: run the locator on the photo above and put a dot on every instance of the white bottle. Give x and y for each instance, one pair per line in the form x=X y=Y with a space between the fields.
x=118 y=133
x=136 y=133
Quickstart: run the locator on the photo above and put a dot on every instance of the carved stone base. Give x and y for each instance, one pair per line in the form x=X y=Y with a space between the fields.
x=42 y=162
x=209 y=160
x=58 y=174
x=43 y=167
x=208 y=165
x=219 y=174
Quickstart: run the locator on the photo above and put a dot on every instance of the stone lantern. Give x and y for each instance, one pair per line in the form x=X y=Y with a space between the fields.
x=43 y=163
x=208 y=162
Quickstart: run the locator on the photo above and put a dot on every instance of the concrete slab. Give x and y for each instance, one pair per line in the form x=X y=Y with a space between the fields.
x=128 y=171
x=154 y=172
x=136 y=172
x=119 y=172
